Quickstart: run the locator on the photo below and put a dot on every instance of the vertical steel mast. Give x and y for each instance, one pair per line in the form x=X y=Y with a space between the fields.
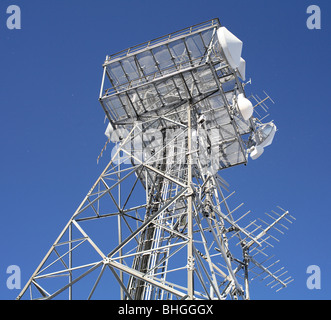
x=158 y=223
x=190 y=256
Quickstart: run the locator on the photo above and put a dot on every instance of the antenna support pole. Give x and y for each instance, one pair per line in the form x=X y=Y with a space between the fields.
x=190 y=258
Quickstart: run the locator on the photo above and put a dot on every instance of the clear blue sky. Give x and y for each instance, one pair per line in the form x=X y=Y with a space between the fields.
x=52 y=130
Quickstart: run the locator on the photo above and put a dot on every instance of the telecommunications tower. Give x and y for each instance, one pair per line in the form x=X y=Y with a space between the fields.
x=157 y=223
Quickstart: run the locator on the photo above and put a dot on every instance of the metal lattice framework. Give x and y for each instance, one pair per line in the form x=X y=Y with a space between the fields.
x=157 y=223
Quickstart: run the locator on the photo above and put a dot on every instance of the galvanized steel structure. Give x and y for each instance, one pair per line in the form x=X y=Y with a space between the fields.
x=158 y=218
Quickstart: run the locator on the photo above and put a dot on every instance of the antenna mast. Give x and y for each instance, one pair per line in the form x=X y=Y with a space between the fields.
x=157 y=223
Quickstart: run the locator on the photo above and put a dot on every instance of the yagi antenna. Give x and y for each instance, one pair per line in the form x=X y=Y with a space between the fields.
x=261 y=102
x=248 y=82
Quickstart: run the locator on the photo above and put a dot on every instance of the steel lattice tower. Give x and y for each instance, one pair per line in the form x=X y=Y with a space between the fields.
x=157 y=223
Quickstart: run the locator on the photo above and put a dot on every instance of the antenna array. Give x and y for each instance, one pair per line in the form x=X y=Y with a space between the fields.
x=157 y=223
